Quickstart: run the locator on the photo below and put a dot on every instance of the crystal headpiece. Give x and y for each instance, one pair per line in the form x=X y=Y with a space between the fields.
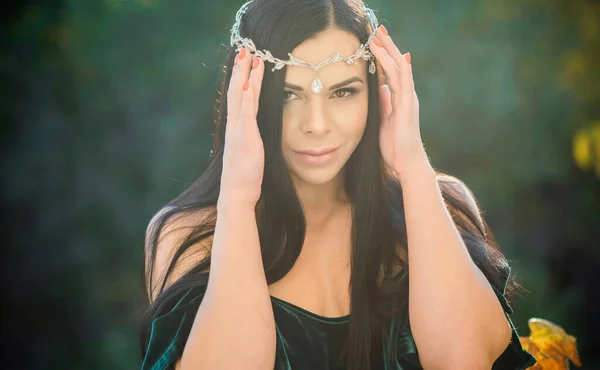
x=363 y=51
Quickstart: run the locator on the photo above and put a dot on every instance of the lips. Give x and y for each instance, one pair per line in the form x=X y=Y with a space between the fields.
x=316 y=151
x=316 y=156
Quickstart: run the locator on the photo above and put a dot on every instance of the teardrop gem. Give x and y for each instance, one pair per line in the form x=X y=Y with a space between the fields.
x=317 y=86
x=372 y=68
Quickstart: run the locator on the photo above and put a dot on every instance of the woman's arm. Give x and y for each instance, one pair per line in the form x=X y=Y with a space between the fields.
x=234 y=327
x=456 y=318
x=457 y=321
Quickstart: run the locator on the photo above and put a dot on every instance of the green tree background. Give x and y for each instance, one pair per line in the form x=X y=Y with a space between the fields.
x=108 y=113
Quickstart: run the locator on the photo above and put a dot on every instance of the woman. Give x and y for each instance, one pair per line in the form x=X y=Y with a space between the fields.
x=292 y=250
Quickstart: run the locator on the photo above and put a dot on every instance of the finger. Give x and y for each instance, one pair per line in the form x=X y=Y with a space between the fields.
x=416 y=107
x=385 y=98
x=256 y=79
x=391 y=69
x=231 y=98
x=390 y=47
x=401 y=61
x=231 y=89
x=234 y=94
x=247 y=112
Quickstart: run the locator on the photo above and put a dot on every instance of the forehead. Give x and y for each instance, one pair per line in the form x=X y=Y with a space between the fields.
x=321 y=47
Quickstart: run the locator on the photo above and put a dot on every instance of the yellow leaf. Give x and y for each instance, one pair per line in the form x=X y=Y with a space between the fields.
x=551 y=346
x=582 y=150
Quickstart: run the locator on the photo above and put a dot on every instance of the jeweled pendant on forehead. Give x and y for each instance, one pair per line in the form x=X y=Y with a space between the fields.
x=317 y=86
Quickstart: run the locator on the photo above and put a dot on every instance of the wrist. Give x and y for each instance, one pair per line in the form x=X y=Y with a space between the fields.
x=415 y=172
x=228 y=205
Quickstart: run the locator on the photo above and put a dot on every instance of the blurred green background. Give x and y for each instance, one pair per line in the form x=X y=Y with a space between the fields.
x=108 y=111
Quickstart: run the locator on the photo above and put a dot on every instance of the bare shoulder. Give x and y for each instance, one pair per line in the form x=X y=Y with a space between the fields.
x=458 y=188
x=455 y=184
x=174 y=231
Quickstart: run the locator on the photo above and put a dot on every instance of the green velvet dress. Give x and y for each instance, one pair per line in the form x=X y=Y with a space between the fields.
x=307 y=341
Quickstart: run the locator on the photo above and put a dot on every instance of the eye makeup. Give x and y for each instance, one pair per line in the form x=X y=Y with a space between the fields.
x=348 y=92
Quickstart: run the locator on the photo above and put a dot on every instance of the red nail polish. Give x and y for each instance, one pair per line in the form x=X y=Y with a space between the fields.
x=407 y=57
x=377 y=42
x=242 y=53
x=246 y=84
x=254 y=63
x=384 y=30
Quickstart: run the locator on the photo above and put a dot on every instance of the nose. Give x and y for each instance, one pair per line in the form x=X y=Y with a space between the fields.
x=316 y=120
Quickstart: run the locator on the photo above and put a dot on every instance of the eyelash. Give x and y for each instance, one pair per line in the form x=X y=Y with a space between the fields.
x=350 y=90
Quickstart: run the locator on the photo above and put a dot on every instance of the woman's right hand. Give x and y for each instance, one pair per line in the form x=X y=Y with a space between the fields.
x=243 y=155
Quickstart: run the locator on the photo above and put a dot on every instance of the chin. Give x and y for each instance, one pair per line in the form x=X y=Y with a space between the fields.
x=319 y=173
x=316 y=176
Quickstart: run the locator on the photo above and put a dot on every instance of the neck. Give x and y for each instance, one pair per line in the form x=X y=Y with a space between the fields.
x=320 y=201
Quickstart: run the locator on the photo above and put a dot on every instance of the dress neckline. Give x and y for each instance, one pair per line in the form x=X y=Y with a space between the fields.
x=326 y=319
x=304 y=311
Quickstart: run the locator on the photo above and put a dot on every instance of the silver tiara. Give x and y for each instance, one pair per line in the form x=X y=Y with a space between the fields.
x=363 y=52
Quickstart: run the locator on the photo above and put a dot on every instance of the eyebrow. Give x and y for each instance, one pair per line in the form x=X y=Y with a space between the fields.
x=333 y=87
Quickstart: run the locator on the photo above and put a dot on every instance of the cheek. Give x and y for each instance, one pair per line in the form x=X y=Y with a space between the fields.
x=347 y=118
x=352 y=118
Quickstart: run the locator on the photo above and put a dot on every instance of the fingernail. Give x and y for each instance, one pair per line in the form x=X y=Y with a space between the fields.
x=255 y=63
x=245 y=87
x=236 y=60
x=407 y=57
x=377 y=42
x=384 y=30
x=242 y=53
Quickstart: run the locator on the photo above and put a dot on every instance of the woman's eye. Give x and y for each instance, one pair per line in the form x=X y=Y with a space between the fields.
x=338 y=94
x=344 y=93
x=285 y=95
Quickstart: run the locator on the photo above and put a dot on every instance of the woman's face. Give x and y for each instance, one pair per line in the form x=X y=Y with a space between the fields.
x=333 y=119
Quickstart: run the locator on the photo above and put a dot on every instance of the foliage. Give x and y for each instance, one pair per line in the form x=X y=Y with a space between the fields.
x=112 y=110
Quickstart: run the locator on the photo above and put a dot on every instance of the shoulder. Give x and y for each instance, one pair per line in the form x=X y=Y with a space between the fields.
x=176 y=224
x=458 y=187
x=455 y=189
x=182 y=217
x=170 y=329
x=168 y=230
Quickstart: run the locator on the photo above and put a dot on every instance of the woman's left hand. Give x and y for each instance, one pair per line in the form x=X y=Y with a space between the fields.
x=399 y=136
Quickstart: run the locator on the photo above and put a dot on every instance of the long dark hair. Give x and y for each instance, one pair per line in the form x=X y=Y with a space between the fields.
x=378 y=223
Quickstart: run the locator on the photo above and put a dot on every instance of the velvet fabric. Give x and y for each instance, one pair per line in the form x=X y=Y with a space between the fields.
x=307 y=341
